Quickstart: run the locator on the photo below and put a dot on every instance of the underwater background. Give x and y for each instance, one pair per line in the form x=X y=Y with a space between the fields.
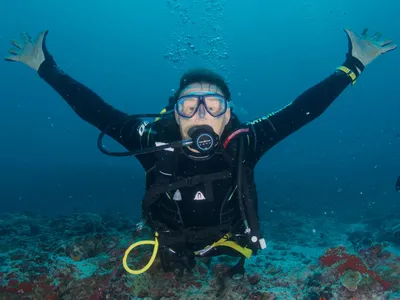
x=331 y=183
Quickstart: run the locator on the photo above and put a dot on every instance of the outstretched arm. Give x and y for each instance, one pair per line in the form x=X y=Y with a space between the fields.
x=91 y=107
x=87 y=104
x=271 y=129
x=268 y=130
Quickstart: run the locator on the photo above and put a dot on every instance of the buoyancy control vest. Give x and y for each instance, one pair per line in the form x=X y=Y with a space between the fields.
x=241 y=233
x=237 y=209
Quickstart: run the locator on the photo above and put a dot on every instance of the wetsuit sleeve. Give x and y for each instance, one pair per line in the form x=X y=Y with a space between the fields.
x=268 y=130
x=91 y=108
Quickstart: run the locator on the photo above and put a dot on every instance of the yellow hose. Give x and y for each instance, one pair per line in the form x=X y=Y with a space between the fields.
x=153 y=256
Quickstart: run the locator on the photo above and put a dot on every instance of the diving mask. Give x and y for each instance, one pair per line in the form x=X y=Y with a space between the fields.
x=215 y=104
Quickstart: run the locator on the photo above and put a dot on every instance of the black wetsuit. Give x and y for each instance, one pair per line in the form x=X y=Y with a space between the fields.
x=195 y=208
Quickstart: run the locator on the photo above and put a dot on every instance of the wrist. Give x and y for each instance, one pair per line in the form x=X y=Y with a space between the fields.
x=354 y=64
x=352 y=67
x=46 y=67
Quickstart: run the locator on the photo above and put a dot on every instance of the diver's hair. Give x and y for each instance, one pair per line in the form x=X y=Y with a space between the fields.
x=202 y=75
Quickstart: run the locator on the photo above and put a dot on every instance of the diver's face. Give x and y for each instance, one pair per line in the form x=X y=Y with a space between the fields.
x=202 y=117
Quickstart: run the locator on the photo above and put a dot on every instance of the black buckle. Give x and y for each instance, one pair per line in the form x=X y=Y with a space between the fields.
x=177 y=262
x=189 y=181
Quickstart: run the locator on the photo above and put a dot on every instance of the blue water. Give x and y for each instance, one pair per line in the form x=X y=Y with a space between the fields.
x=132 y=53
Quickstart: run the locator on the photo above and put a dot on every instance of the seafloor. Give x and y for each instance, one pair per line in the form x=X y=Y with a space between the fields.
x=79 y=257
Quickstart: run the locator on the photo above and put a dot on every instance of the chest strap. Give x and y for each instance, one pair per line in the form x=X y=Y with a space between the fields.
x=159 y=188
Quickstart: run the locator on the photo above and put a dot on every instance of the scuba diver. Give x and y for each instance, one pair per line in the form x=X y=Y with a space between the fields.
x=198 y=157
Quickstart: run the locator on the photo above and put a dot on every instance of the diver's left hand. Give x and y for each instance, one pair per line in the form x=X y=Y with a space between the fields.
x=366 y=48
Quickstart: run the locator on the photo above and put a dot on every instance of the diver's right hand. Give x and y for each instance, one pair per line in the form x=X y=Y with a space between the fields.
x=30 y=53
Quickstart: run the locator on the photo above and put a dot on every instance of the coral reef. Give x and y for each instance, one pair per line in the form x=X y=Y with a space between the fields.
x=79 y=257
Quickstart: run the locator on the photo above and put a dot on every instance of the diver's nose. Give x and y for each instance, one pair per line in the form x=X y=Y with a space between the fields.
x=202 y=111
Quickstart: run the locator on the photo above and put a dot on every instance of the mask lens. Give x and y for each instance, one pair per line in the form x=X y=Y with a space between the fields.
x=216 y=105
x=187 y=106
